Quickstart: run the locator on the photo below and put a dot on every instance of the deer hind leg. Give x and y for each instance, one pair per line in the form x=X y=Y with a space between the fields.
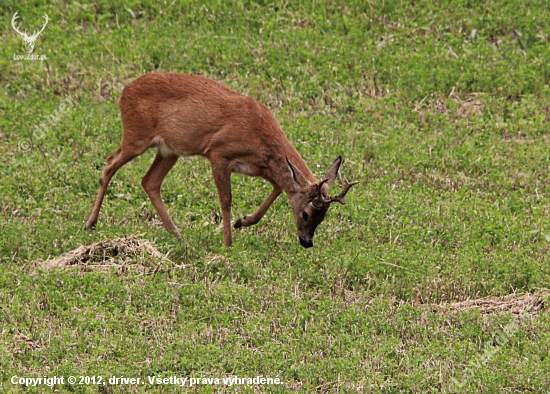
x=152 y=181
x=254 y=218
x=122 y=155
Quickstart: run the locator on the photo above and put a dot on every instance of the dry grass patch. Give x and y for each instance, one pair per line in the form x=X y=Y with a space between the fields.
x=23 y=343
x=121 y=254
x=471 y=106
x=468 y=107
x=526 y=304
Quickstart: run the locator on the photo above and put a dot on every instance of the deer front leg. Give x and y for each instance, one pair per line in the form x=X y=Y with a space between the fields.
x=254 y=218
x=222 y=177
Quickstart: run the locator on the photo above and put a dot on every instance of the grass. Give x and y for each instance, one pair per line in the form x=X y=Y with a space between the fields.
x=440 y=110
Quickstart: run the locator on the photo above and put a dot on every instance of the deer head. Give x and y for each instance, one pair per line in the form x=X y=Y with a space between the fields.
x=30 y=41
x=311 y=201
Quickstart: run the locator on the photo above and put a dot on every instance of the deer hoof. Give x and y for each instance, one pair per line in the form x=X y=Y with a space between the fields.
x=238 y=223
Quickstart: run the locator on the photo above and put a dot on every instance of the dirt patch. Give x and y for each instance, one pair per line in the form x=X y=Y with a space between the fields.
x=121 y=254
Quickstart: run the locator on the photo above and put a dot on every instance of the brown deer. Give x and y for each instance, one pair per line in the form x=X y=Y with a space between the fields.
x=184 y=114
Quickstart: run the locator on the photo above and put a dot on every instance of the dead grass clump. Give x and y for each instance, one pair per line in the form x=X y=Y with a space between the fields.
x=526 y=304
x=121 y=254
x=472 y=106
x=438 y=106
x=469 y=107
x=24 y=343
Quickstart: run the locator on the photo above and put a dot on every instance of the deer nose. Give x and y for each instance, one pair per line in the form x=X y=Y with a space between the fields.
x=306 y=244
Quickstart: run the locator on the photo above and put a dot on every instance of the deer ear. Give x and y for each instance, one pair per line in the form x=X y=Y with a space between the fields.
x=333 y=171
x=297 y=175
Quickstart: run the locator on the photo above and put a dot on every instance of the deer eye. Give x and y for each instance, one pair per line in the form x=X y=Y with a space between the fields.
x=305 y=215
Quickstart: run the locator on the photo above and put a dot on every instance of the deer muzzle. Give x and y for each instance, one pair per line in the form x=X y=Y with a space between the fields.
x=306 y=244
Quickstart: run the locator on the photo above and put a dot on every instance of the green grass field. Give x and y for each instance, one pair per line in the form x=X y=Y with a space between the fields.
x=441 y=111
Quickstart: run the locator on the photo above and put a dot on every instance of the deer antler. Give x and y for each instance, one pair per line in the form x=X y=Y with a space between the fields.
x=15 y=16
x=320 y=200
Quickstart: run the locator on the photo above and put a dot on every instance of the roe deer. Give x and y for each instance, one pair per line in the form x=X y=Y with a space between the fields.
x=184 y=114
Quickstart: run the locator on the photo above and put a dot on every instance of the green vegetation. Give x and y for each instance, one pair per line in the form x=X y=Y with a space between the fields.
x=441 y=112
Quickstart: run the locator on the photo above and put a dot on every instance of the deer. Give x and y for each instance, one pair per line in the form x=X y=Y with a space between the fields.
x=186 y=115
x=30 y=41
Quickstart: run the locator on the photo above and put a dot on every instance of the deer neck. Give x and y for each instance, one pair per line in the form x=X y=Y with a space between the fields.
x=279 y=172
